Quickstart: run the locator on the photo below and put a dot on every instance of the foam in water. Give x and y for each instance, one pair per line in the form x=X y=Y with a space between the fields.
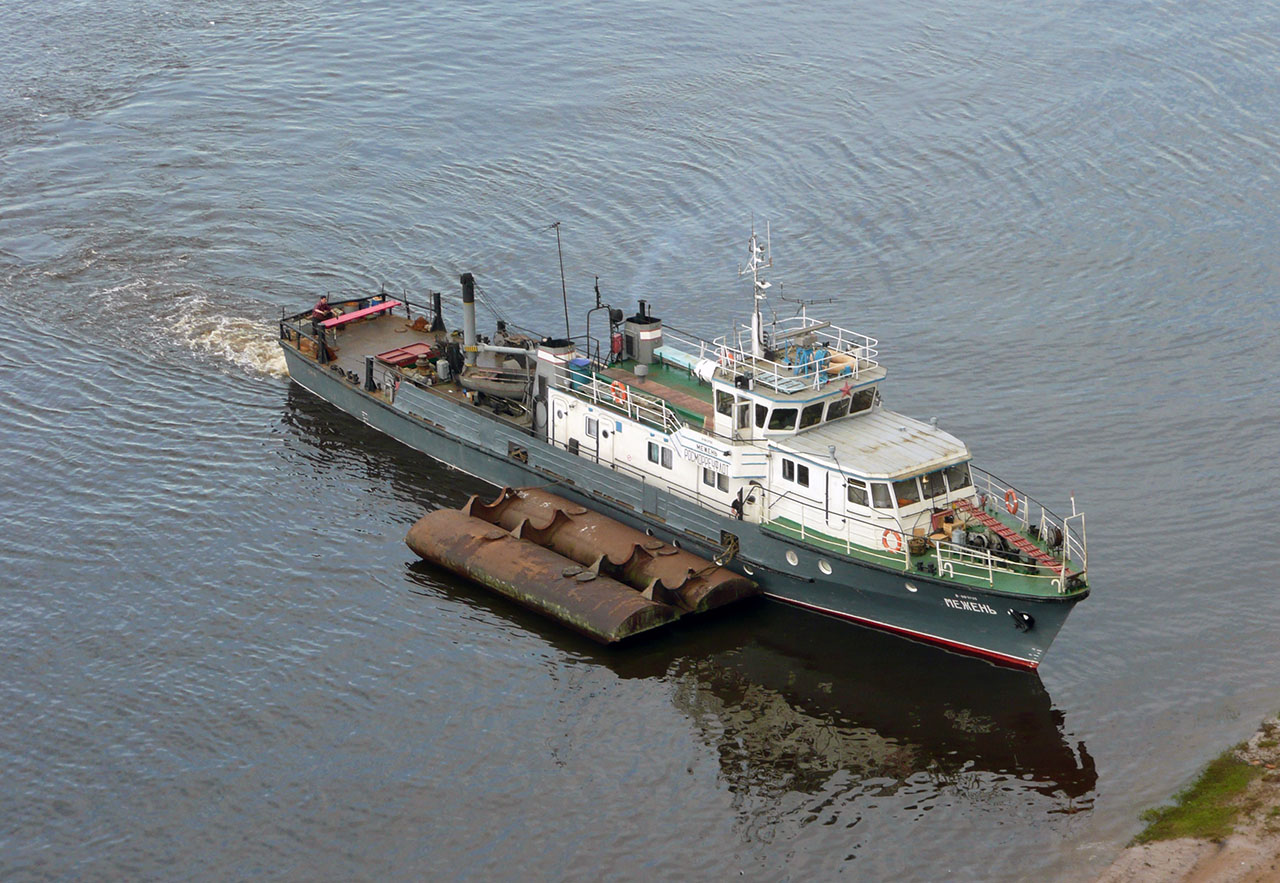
x=245 y=342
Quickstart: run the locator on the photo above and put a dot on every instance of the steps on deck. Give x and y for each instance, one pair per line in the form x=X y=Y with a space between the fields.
x=1015 y=539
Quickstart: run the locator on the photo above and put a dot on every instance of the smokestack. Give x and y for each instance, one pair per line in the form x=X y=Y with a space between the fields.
x=469 y=316
x=437 y=323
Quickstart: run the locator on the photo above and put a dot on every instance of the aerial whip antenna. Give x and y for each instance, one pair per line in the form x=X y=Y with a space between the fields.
x=564 y=291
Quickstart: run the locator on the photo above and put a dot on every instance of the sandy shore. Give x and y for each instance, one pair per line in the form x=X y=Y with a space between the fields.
x=1250 y=855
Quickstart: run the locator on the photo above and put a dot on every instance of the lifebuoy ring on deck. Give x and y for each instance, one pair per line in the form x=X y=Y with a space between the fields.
x=897 y=541
x=1011 y=501
x=619 y=391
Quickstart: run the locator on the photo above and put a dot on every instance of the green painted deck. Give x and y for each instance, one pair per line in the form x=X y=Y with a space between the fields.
x=688 y=397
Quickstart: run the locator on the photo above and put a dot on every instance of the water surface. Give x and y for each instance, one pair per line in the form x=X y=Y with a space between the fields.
x=220 y=659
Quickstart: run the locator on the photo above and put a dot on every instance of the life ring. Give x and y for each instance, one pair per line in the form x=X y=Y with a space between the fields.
x=1011 y=501
x=897 y=541
x=619 y=391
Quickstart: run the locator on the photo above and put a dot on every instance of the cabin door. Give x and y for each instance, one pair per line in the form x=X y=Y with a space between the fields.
x=605 y=440
x=753 y=503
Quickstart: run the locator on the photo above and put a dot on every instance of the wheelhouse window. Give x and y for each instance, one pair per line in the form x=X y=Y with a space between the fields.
x=880 y=497
x=933 y=485
x=958 y=476
x=906 y=491
x=782 y=419
x=838 y=408
x=857 y=491
x=762 y=413
x=811 y=415
x=862 y=400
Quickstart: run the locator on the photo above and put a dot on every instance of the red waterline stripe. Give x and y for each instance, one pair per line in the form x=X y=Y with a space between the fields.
x=934 y=639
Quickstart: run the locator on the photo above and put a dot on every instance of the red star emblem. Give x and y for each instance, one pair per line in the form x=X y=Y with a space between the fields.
x=846 y=390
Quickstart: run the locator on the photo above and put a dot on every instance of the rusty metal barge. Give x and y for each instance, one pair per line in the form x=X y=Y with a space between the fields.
x=769 y=449
x=578 y=567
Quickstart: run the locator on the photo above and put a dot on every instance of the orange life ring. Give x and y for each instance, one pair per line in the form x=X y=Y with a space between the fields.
x=1011 y=501
x=619 y=391
x=897 y=541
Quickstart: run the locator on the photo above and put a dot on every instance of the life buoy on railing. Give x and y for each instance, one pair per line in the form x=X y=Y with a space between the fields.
x=897 y=541
x=1011 y=501
x=619 y=391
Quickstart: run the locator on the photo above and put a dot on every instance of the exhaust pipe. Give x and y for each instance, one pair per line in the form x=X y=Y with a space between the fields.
x=469 y=317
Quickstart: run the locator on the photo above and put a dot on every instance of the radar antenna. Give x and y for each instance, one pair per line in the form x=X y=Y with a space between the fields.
x=759 y=258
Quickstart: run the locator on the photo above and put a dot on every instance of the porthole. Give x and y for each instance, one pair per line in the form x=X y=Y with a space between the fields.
x=792 y=558
x=911 y=588
x=748 y=570
x=676 y=543
x=648 y=531
x=824 y=566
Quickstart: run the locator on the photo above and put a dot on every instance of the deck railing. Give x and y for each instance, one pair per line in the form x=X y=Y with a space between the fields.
x=994 y=492
x=816 y=525
x=642 y=406
x=839 y=353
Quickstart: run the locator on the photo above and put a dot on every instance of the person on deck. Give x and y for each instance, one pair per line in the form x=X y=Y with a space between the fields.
x=319 y=314
x=322 y=310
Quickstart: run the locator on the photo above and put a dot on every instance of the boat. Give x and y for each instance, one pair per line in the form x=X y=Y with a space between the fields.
x=769 y=449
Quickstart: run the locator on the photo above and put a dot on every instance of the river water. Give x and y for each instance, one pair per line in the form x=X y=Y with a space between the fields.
x=219 y=659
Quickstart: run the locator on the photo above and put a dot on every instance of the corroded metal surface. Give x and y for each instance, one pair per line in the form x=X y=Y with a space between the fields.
x=597 y=606
x=657 y=569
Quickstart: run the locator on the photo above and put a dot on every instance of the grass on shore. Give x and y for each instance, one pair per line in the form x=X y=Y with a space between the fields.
x=1207 y=809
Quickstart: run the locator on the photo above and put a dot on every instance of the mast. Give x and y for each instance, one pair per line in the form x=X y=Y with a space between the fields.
x=564 y=292
x=759 y=259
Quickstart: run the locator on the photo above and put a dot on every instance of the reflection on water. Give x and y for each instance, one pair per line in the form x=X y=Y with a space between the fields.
x=791 y=701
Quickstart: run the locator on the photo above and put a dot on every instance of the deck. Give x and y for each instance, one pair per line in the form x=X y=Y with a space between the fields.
x=672 y=385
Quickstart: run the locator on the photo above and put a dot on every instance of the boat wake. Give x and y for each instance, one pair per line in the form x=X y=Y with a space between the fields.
x=248 y=343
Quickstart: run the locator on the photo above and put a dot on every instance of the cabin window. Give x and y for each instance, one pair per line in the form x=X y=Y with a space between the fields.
x=933 y=485
x=811 y=415
x=783 y=419
x=724 y=402
x=857 y=492
x=958 y=476
x=593 y=427
x=906 y=491
x=714 y=479
x=862 y=400
x=659 y=454
x=797 y=472
x=761 y=413
x=838 y=408
x=880 y=496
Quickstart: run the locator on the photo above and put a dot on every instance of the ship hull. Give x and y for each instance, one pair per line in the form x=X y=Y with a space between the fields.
x=1009 y=629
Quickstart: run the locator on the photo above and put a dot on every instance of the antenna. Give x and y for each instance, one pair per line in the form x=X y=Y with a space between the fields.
x=564 y=292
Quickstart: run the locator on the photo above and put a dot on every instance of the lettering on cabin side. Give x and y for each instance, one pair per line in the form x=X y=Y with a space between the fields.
x=972 y=606
x=698 y=451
